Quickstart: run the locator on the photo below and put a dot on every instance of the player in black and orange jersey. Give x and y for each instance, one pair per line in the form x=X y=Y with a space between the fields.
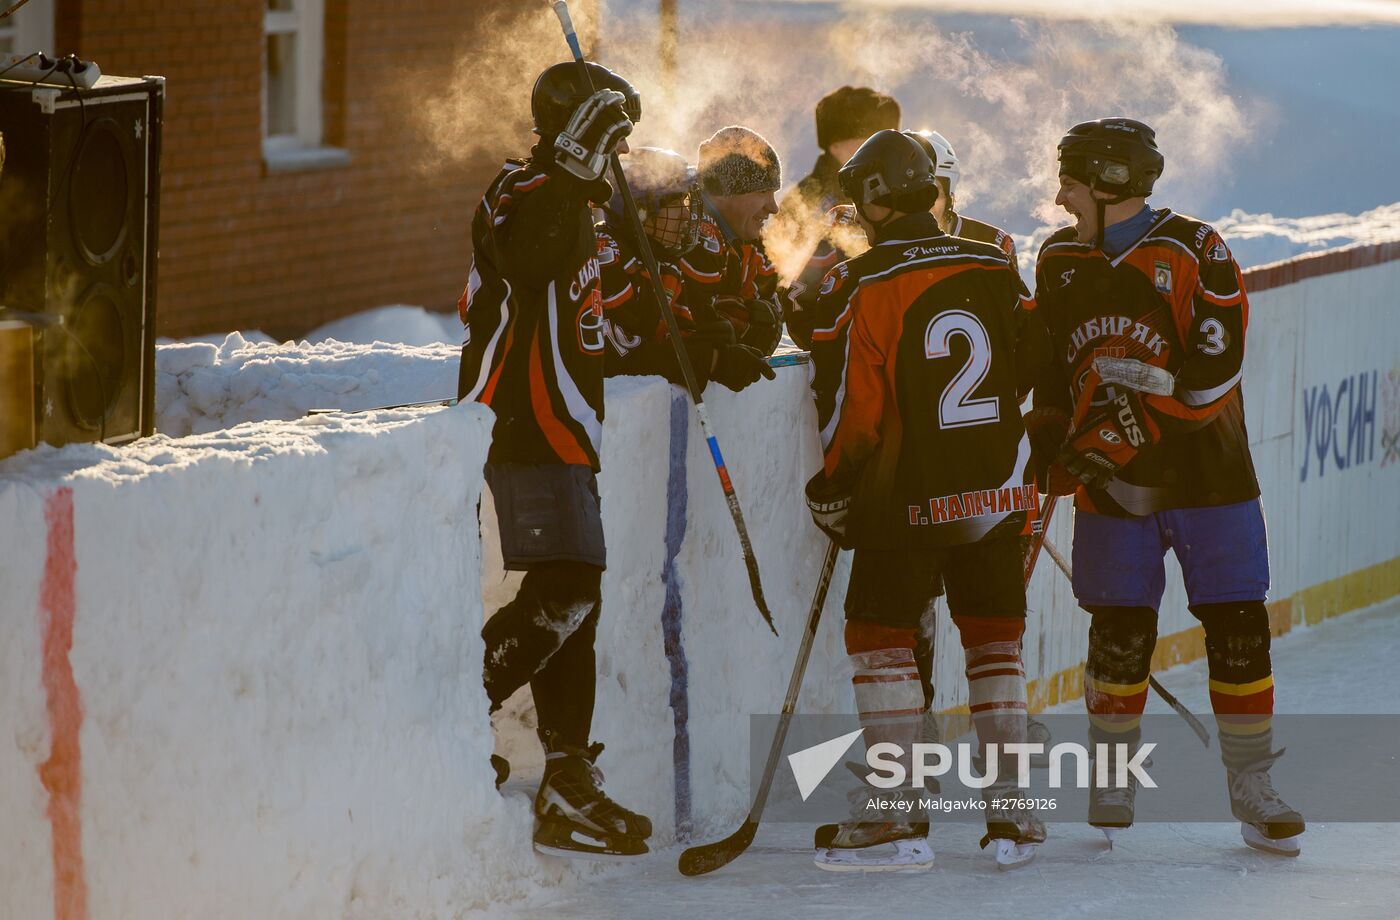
x=728 y=271
x=1165 y=464
x=534 y=354
x=922 y=350
x=947 y=170
x=667 y=195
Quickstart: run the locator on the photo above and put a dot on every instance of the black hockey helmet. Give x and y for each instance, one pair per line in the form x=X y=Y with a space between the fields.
x=891 y=170
x=1115 y=155
x=560 y=89
x=666 y=190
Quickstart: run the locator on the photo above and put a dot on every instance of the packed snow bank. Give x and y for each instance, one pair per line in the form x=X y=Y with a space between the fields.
x=399 y=323
x=202 y=387
x=276 y=655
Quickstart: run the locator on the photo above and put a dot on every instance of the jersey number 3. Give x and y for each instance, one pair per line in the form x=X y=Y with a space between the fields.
x=956 y=407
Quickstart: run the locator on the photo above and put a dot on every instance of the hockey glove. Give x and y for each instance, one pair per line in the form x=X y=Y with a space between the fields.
x=737 y=366
x=1048 y=428
x=754 y=321
x=1108 y=441
x=765 y=328
x=829 y=508
x=592 y=134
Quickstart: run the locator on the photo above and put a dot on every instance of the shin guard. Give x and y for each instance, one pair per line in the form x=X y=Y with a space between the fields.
x=1121 y=640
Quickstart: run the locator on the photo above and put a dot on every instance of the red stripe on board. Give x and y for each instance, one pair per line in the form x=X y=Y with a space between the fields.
x=1315 y=265
x=62 y=773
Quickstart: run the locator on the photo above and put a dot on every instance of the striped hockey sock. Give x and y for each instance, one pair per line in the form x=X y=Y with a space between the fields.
x=889 y=696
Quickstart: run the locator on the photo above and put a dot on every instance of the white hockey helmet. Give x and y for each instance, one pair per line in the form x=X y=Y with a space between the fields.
x=945 y=161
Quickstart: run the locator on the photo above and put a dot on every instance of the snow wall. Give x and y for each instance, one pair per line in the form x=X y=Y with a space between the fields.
x=271 y=706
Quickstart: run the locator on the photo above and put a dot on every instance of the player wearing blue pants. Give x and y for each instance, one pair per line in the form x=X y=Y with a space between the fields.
x=1147 y=312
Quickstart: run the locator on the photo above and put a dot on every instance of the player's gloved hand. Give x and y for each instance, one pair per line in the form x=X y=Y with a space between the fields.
x=738 y=366
x=1108 y=441
x=755 y=321
x=592 y=134
x=829 y=507
x=1048 y=428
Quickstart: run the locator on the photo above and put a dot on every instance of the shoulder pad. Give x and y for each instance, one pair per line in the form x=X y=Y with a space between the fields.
x=834 y=280
x=1062 y=235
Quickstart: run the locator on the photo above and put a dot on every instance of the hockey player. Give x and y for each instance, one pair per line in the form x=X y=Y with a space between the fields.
x=945 y=165
x=947 y=171
x=922 y=348
x=1159 y=295
x=534 y=354
x=729 y=270
x=845 y=117
x=667 y=195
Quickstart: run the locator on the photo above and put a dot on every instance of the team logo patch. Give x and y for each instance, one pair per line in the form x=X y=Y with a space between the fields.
x=1162 y=277
x=1109 y=436
x=1218 y=252
x=1065 y=277
x=591 y=327
x=607 y=251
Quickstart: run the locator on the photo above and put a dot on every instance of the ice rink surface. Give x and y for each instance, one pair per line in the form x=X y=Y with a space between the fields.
x=1193 y=871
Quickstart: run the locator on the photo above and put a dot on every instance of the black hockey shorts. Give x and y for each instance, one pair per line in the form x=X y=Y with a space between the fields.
x=894 y=587
x=547 y=513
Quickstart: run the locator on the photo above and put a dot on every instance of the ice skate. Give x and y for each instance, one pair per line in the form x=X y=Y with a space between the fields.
x=575 y=818
x=874 y=840
x=1267 y=823
x=887 y=844
x=1111 y=807
x=1017 y=833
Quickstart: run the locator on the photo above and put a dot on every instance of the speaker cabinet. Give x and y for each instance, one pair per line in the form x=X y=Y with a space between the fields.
x=79 y=212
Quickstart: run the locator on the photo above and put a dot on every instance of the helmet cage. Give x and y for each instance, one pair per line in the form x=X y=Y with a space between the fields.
x=672 y=221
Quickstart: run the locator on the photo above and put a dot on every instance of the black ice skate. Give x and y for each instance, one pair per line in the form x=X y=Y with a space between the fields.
x=858 y=796
x=1111 y=806
x=574 y=817
x=1016 y=832
x=1266 y=822
x=875 y=840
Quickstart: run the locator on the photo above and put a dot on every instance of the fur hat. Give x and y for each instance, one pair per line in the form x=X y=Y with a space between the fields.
x=854 y=113
x=736 y=161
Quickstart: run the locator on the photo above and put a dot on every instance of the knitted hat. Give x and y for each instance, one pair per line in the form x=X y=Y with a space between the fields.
x=854 y=113
x=736 y=161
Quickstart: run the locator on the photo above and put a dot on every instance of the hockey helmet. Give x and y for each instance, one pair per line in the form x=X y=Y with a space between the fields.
x=945 y=161
x=891 y=170
x=1116 y=155
x=667 y=194
x=560 y=89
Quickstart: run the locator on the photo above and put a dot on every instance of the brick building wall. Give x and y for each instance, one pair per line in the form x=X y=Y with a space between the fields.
x=242 y=247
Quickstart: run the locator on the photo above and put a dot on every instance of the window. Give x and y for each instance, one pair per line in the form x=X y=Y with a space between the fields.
x=29 y=28
x=293 y=63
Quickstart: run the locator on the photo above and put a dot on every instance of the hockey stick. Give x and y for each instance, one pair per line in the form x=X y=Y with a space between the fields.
x=1167 y=696
x=450 y=401
x=561 y=9
x=711 y=856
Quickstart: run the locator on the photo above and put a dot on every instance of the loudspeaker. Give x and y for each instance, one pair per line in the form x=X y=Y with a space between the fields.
x=79 y=212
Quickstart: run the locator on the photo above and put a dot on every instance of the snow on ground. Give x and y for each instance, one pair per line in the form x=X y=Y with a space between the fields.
x=397 y=323
x=1347 y=871
x=202 y=387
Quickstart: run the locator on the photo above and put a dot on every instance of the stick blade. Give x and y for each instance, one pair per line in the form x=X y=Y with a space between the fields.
x=708 y=857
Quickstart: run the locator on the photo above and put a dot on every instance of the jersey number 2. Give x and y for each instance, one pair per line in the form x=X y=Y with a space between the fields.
x=956 y=407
